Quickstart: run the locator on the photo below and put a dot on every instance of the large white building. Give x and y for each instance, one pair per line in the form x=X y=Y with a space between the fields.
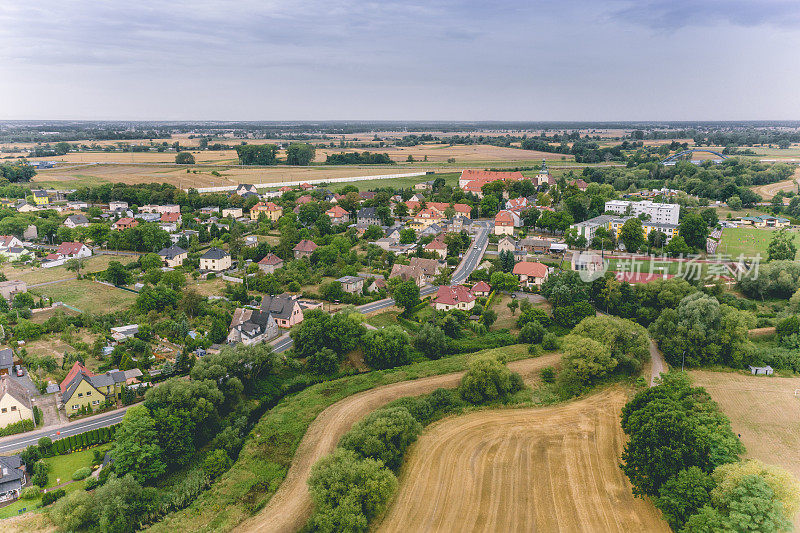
x=659 y=213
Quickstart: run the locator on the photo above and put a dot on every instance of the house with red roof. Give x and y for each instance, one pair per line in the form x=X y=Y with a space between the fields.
x=124 y=223
x=505 y=221
x=481 y=289
x=77 y=368
x=304 y=248
x=438 y=246
x=473 y=180
x=453 y=297
x=270 y=263
x=72 y=250
x=271 y=210
x=338 y=215
x=530 y=274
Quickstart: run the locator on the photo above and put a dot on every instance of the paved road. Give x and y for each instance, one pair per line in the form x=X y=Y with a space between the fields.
x=465 y=268
x=17 y=442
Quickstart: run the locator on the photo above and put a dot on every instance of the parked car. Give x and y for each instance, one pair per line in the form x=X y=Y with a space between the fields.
x=20 y=370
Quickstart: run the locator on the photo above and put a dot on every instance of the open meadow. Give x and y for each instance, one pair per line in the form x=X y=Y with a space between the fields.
x=748 y=241
x=36 y=275
x=542 y=469
x=88 y=296
x=764 y=412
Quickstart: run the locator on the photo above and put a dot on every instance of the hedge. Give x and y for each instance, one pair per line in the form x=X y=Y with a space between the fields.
x=84 y=440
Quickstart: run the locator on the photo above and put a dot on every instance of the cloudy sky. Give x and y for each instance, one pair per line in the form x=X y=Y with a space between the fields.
x=400 y=59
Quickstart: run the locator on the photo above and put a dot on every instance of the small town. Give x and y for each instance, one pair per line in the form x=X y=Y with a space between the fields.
x=399 y=267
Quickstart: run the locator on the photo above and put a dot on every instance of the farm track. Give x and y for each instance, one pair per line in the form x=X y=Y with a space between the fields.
x=289 y=508
x=541 y=469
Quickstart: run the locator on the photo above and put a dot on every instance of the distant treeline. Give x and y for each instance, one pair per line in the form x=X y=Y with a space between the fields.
x=356 y=158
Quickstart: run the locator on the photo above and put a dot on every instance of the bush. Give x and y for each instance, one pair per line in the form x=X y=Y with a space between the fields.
x=29 y=493
x=81 y=473
x=532 y=333
x=348 y=492
x=40 y=470
x=216 y=463
x=548 y=374
x=549 y=342
x=444 y=400
x=53 y=495
x=420 y=408
x=92 y=483
x=487 y=379
x=386 y=348
x=384 y=435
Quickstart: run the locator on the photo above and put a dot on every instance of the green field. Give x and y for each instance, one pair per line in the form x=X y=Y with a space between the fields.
x=88 y=296
x=748 y=241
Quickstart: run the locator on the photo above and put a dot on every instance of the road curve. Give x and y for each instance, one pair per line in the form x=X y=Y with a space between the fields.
x=290 y=507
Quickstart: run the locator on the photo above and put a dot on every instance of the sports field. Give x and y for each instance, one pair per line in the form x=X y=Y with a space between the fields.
x=764 y=411
x=748 y=241
x=544 y=469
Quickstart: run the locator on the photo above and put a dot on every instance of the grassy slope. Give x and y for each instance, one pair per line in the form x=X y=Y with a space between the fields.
x=266 y=456
x=748 y=241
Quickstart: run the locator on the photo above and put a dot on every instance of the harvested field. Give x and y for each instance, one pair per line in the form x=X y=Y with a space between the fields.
x=545 y=469
x=763 y=410
x=289 y=508
x=440 y=153
x=771 y=189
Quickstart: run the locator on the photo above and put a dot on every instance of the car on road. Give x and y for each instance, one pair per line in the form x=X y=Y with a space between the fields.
x=20 y=370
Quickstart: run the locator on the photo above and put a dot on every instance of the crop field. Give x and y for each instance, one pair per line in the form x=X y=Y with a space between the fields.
x=88 y=296
x=748 y=241
x=543 y=469
x=771 y=189
x=763 y=410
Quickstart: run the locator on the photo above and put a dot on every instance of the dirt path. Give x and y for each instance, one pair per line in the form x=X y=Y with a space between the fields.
x=289 y=508
x=657 y=364
x=543 y=469
x=771 y=189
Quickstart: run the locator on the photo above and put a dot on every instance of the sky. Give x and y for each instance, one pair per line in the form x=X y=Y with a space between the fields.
x=588 y=60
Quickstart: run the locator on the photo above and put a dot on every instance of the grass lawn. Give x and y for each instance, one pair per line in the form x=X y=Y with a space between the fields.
x=268 y=452
x=34 y=275
x=615 y=265
x=88 y=296
x=381 y=320
x=748 y=241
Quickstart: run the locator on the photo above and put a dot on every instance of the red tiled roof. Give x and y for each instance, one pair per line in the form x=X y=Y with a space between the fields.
x=305 y=246
x=488 y=175
x=504 y=218
x=336 y=212
x=170 y=217
x=69 y=248
x=481 y=286
x=76 y=369
x=5 y=240
x=270 y=259
x=462 y=209
x=453 y=295
x=304 y=199
x=535 y=270
x=436 y=245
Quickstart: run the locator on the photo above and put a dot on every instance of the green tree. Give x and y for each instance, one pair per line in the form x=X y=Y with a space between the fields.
x=386 y=348
x=632 y=234
x=782 y=247
x=734 y=202
x=751 y=506
x=431 y=341
x=216 y=463
x=707 y=520
x=136 y=452
x=683 y=495
x=694 y=230
x=184 y=158
x=488 y=379
x=117 y=274
x=300 y=154
x=406 y=295
x=408 y=236
x=384 y=435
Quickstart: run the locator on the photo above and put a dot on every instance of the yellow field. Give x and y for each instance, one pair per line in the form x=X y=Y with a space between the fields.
x=764 y=411
x=547 y=469
x=34 y=275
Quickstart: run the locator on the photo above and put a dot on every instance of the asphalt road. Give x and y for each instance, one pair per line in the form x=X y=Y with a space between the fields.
x=465 y=268
x=19 y=442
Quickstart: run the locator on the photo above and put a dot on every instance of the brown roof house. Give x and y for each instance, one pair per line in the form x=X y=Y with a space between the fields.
x=422 y=271
x=270 y=263
x=304 y=248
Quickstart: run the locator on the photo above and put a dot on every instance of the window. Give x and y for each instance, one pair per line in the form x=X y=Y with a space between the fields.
x=80 y=395
x=13 y=407
x=76 y=406
x=88 y=393
x=3 y=410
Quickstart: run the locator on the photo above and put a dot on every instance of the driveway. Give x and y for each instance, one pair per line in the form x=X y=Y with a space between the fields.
x=532 y=298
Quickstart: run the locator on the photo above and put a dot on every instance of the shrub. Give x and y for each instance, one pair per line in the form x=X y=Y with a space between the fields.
x=40 y=470
x=29 y=493
x=420 y=408
x=92 y=483
x=548 y=374
x=487 y=379
x=532 y=333
x=53 y=495
x=82 y=473
x=549 y=342
x=384 y=435
x=444 y=400
x=348 y=491
x=216 y=463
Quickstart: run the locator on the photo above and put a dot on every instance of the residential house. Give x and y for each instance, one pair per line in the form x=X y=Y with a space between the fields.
x=765 y=221
x=338 y=215
x=473 y=180
x=437 y=246
x=368 y=216
x=442 y=207
x=245 y=189
x=209 y=210
x=251 y=326
x=89 y=391
x=506 y=244
x=454 y=297
x=173 y=256
x=251 y=241
x=589 y=263
x=481 y=289
x=40 y=197
x=235 y=212
x=271 y=210
x=77 y=204
x=424 y=186
x=270 y=263
x=530 y=274
x=124 y=223
x=171 y=218
x=116 y=205
x=122 y=333
x=377 y=285
x=215 y=260
x=14 y=254
x=15 y=402
x=148 y=217
x=430 y=231
x=352 y=284
x=12 y=477
x=425 y=217
x=6 y=361
x=9 y=241
x=304 y=248
x=65 y=251
x=8 y=289
x=78 y=220
x=421 y=271
x=534 y=246
x=286 y=309
x=160 y=209
x=504 y=223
